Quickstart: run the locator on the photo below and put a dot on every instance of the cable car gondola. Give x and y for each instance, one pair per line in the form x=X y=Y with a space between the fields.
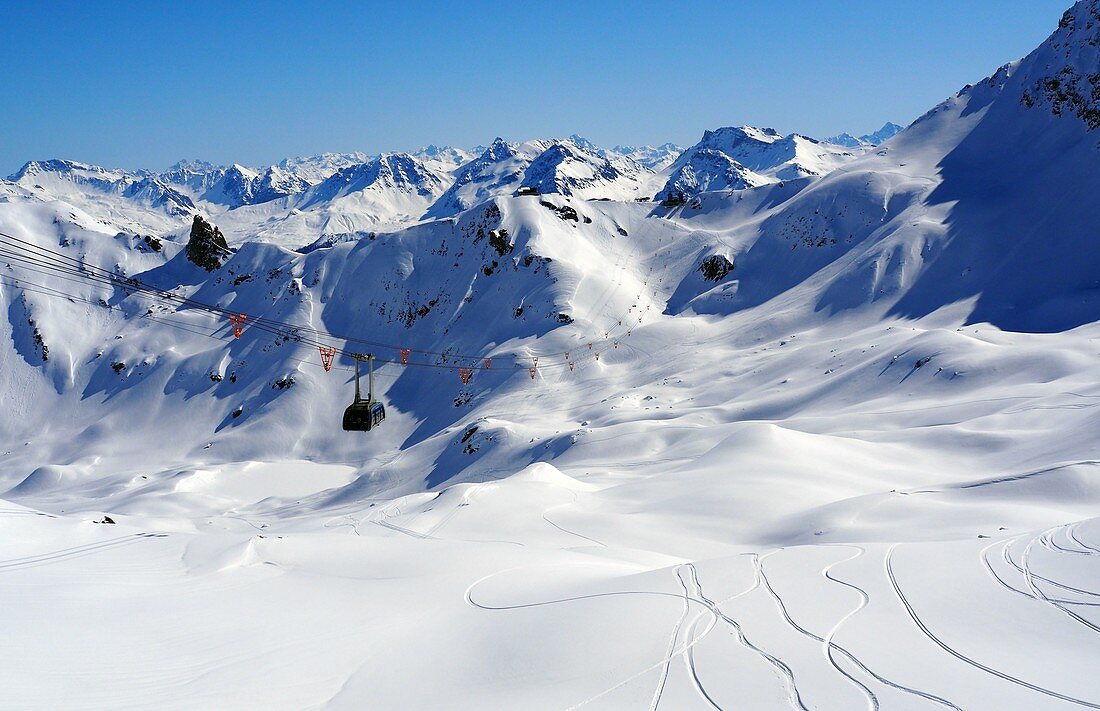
x=364 y=414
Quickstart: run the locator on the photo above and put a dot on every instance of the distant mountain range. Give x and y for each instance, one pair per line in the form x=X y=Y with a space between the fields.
x=298 y=200
x=888 y=131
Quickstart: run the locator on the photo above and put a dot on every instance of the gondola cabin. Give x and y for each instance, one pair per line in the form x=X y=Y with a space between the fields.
x=364 y=414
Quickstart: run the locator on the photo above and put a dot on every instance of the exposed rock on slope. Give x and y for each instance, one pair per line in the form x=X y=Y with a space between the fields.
x=206 y=247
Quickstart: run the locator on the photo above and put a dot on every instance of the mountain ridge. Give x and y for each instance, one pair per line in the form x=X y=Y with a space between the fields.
x=446 y=179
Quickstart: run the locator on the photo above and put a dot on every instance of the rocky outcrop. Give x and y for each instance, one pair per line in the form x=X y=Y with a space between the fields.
x=206 y=247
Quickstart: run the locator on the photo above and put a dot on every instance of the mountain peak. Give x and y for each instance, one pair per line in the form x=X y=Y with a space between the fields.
x=867 y=140
x=583 y=142
x=55 y=165
x=191 y=164
x=738 y=134
x=1061 y=74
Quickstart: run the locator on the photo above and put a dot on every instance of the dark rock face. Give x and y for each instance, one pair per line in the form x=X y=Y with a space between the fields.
x=715 y=267
x=1074 y=87
x=565 y=212
x=207 y=247
x=500 y=241
x=673 y=198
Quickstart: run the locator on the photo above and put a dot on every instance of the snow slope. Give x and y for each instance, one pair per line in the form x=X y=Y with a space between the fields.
x=837 y=451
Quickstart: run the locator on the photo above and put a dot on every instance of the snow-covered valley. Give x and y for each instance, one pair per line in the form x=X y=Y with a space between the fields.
x=765 y=422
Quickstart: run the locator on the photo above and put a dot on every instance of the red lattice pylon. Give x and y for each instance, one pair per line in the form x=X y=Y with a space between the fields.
x=465 y=374
x=534 y=371
x=238 y=324
x=570 y=366
x=405 y=355
x=488 y=363
x=327 y=354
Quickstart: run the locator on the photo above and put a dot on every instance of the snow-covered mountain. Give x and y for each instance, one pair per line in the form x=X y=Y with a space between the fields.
x=335 y=197
x=394 y=188
x=572 y=167
x=656 y=158
x=337 y=194
x=314 y=169
x=194 y=176
x=132 y=200
x=812 y=438
x=239 y=186
x=735 y=158
x=575 y=169
x=445 y=158
x=867 y=140
x=917 y=227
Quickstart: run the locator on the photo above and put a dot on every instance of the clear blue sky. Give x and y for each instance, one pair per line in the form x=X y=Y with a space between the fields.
x=142 y=84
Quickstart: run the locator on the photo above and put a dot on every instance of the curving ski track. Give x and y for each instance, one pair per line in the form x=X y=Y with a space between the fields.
x=689 y=657
x=984 y=556
x=662 y=680
x=1040 y=595
x=786 y=673
x=872 y=700
x=962 y=657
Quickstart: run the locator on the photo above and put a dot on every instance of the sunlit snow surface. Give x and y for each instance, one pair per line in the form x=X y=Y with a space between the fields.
x=860 y=470
x=744 y=521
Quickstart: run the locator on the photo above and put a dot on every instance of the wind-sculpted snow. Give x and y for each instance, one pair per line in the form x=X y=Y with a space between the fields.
x=828 y=442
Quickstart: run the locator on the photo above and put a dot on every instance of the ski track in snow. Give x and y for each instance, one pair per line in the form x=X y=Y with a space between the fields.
x=24 y=512
x=783 y=671
x=1040 y=595
x=1050 y=542
x=467 y=499
x=663 y=678
x=689 y=657
x=1072 y=533
x=992 y=572
x=900 y=248
x=827 y=647
x=1029 y=575
x=75 y=551
x=546 y=518
x=864 y=601
x=962 y=657
x=406 y=531
x=785 y=674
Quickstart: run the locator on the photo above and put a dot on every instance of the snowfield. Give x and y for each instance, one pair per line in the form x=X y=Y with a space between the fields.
x=827 y=439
